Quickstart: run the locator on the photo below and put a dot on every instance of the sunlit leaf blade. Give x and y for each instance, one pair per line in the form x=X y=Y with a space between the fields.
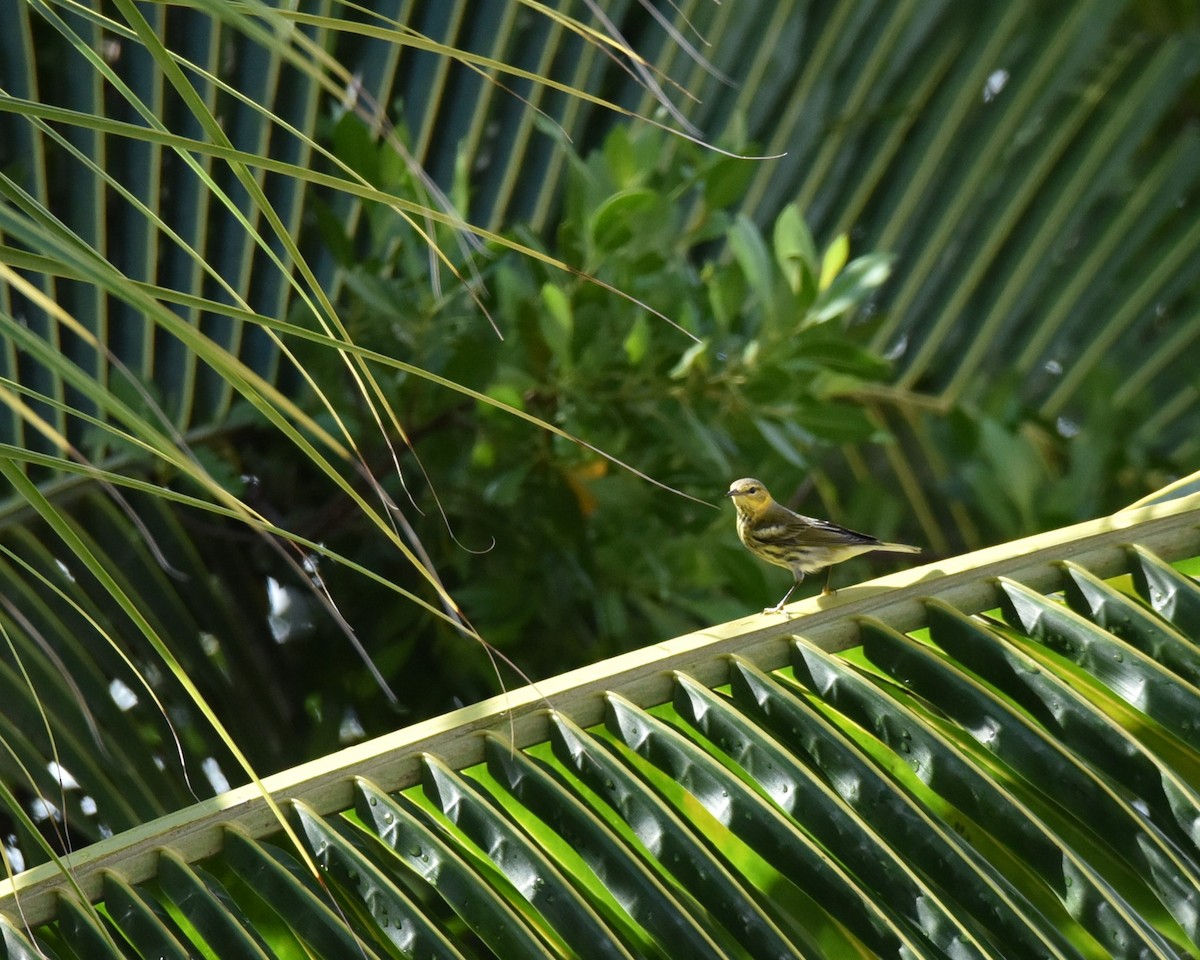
x=16 y=946
x=277 y=878
x=215 y=916
x=517 y=857
x=926 y=842
x=1130 y=675
x=779 y=841
x=364 y=886
x=1077 y=723
x=1121 y=616
x=83 y=932
x=952 y=774
x=690 y=863
x=142 y=922
x=1175 y=596
x=1072 y=787
x=496 y=922
x=630 y=883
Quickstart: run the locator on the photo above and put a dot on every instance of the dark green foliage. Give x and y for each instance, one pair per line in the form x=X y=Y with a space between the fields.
x=728 y=352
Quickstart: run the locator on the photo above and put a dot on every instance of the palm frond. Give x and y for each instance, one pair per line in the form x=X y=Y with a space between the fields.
x=994 y=756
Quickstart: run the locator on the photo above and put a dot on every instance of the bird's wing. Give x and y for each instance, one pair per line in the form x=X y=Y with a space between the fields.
x=813 y=532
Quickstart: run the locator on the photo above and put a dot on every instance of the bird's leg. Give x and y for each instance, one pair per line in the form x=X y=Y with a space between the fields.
x=778 y=608
x=828 y=591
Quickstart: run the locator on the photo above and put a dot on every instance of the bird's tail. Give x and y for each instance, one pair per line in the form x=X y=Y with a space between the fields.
x=898 y=548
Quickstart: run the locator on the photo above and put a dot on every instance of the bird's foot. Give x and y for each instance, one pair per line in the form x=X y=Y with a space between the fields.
x=767 y=611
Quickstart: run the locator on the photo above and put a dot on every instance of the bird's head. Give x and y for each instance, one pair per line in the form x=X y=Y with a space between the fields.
x=749 y=495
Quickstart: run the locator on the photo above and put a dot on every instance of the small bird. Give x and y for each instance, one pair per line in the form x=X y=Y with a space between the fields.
x=802 y=544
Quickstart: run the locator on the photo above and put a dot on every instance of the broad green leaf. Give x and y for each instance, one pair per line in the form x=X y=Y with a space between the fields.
x=783 y=441
x=628 y=217
x=558 y=324
x=817 y=349
x=637 y=341
x=727 y=289
x=693 y=356
x=851 y=288
x=795 y=251
x=621 y=159
x=834 y=261
x=835 y=420
x=751 y=253
x=726 y=181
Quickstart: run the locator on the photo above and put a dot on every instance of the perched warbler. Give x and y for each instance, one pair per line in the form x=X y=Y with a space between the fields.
x=802 y=544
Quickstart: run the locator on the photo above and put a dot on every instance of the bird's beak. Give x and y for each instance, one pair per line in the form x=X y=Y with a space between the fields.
x=728 y=493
